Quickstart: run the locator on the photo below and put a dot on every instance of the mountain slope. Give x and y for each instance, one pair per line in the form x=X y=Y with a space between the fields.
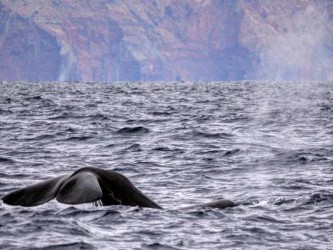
x=129 y=40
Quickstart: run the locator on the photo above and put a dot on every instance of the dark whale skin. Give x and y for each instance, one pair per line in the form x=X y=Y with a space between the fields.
x=87 y=185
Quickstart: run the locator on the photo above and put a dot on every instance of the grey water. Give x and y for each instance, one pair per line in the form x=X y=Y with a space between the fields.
x=266 y=145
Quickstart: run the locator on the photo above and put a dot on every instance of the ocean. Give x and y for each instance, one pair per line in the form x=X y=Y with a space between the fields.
x=268 y=146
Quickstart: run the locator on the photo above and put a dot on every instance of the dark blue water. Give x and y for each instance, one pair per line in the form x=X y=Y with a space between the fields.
x=265 y=145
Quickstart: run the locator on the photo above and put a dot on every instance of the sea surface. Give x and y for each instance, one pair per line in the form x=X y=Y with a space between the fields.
x=268 y=146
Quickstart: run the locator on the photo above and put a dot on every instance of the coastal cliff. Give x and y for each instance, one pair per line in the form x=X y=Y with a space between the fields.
x=152 y=40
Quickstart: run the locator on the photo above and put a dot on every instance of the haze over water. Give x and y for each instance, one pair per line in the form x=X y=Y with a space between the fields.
x=266 y=145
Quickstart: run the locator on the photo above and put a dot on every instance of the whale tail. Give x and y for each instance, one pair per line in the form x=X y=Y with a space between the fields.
x=87 y=185
x=79 y=188
x=36 y=194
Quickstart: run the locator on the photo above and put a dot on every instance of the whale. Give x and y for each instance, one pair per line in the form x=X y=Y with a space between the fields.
x=91 y=185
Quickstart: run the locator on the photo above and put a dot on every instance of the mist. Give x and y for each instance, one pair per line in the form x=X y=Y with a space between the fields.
x=300 y=51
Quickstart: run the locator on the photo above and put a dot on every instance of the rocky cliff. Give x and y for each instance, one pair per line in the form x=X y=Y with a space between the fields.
x=130 y=40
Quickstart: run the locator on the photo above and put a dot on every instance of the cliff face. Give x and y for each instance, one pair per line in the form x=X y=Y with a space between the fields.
x=128 y=40
x=26 y=49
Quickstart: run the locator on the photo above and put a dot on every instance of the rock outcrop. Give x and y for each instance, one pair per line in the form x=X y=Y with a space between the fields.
x=152 y=40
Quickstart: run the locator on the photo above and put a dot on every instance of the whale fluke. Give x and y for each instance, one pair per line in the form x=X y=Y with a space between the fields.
x=88 y=185
x=36 y=194
x=83 y=186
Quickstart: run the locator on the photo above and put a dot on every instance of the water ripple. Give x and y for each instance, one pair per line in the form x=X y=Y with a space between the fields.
x=265 y=145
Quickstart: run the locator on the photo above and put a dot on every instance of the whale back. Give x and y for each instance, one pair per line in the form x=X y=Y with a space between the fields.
x=36 y=194
x=221 y=204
